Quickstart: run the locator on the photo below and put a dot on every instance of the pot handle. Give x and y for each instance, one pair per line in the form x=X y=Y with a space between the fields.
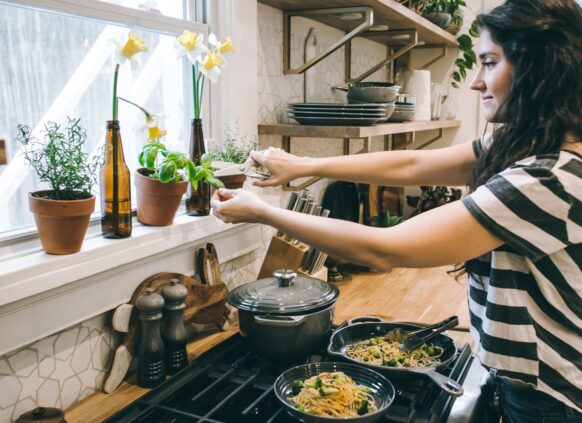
x=364 y=319
x=445 y=383
x=280 y=321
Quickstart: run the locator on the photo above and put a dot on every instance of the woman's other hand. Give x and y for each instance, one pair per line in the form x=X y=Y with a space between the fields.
x=237 y=205
x=283 y=167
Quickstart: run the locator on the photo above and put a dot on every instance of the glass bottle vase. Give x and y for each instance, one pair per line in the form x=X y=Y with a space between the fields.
x=115 y=187
x=197 y=200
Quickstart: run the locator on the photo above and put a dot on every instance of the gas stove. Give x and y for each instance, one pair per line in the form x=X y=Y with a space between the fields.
x=231 y=384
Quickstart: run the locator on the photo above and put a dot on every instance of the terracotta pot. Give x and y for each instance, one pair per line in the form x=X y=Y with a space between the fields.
x=62 y=224
x=157 y=202
x=233 y=181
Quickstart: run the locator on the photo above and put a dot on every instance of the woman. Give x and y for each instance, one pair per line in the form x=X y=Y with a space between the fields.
x=519 y=230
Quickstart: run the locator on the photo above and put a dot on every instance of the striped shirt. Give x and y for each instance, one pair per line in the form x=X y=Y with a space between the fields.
x=525 y=297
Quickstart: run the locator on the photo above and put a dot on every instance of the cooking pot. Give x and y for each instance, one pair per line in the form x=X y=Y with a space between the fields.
x=285 y=317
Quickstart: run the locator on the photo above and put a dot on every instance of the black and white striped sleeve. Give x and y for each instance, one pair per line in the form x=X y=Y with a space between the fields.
x=528 y=208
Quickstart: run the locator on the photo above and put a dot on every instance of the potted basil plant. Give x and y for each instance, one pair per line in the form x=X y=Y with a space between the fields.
x=62 y=212
x=163 y=179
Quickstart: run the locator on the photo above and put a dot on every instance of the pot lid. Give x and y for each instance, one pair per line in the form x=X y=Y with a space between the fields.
x=285 y=293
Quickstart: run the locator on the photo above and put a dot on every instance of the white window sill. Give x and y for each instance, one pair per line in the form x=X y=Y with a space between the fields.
x=42 y=293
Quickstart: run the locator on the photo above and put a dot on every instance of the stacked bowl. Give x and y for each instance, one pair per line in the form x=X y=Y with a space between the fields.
x=374 y=92
x=405 y=108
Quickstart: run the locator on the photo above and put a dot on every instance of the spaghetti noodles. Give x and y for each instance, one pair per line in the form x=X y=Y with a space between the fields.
x=333 y=395
x=383 y=352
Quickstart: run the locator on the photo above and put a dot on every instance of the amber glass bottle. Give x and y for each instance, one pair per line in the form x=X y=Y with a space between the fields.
x=115 y=187
x=197 y=200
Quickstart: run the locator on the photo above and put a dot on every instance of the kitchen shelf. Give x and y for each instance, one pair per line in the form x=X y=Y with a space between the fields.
x=312 y=131
x=386 y=12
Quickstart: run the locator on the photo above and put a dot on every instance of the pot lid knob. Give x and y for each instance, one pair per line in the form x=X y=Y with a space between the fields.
x=285 y=276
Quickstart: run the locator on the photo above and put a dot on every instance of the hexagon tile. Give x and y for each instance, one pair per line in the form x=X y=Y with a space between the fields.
x=65 y=368
x=56 y=371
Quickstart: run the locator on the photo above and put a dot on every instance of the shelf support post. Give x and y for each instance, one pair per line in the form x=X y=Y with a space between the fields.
x=287 y=15
x=412 y=36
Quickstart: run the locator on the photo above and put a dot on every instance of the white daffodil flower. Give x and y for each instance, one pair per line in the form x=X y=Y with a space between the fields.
x=210 y=65
x=190 y=44
x=154 y=131
x=129 y=50
x=221 y=47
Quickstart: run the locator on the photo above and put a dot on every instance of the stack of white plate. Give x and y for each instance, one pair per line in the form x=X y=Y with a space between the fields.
x=339 y=114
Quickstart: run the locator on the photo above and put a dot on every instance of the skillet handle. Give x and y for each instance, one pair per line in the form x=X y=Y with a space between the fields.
x=446 y=384
x=364 y=319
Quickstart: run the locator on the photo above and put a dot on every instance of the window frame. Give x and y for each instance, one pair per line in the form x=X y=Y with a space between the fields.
x=196 y=17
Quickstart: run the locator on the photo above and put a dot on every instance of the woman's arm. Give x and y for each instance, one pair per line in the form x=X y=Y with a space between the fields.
x=445 y=166
x=446 y=235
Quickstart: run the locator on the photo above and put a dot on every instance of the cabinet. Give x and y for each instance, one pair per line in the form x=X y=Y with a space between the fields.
x=406 y=30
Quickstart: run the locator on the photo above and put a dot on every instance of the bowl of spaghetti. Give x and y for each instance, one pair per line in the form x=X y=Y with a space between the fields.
x=329 y=391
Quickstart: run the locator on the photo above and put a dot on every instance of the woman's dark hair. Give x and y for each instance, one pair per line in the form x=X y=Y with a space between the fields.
x=542 y=39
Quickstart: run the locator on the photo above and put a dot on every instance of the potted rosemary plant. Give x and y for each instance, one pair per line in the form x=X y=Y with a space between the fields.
x=61 y=213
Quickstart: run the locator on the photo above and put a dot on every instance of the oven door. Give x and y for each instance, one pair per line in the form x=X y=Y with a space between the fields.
x=472 y=406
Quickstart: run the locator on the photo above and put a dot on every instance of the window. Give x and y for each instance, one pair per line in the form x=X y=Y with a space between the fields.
x=58 y=63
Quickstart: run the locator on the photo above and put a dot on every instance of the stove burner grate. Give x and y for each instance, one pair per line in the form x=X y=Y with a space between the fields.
x=230 y=384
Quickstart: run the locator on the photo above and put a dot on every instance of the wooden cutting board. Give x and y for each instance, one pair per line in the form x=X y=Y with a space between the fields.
x=205 y=304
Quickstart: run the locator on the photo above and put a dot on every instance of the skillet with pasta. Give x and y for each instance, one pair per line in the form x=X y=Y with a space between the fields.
x=332 y=394
x=383 y=352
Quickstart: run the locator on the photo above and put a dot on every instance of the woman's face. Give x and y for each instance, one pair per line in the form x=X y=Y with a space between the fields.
x=493 y=78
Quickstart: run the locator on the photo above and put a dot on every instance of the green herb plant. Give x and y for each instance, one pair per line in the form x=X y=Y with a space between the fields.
x=236 y=149
x=173 y=166
x=448 y=6
x=386 y=220
x=61 y=160
x=467 y=56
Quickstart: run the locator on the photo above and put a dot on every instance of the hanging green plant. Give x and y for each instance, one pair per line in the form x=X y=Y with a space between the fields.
x=467 y=56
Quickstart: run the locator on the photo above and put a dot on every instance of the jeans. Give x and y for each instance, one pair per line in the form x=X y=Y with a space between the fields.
x=522 y=404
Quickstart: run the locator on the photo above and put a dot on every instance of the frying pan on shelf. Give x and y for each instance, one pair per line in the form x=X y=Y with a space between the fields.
x=360 y=329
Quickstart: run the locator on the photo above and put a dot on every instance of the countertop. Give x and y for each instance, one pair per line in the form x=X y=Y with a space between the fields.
x=414 y=295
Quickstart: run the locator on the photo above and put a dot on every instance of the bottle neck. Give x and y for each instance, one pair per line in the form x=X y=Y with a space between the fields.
x=113 y=141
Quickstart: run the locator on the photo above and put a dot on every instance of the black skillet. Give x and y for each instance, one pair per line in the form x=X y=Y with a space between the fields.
x=361 y=329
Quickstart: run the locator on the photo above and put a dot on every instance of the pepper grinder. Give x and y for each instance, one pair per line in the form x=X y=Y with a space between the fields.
x=151 y=368
x=174 y=332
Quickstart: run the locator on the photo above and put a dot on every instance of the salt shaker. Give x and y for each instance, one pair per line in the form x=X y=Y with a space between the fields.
x=151 y=367
x=174 y=333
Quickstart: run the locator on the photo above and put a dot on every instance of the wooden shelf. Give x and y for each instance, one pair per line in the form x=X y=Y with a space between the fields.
x=386 y=12
x=296 y=130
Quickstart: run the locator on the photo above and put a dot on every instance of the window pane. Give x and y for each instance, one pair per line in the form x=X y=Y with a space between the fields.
x=172 y=8
x=56 y=66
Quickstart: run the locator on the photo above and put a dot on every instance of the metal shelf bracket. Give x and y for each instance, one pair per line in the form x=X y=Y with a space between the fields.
x=286 y=145
x=442 y=54
x=410 y=34
x=368 y=13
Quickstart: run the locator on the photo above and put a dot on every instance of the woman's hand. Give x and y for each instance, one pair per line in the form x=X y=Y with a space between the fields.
x=283 y=167
x=235 y=206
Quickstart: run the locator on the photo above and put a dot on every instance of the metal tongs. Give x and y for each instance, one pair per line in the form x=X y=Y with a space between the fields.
x=412 y=340
x=249 y=168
